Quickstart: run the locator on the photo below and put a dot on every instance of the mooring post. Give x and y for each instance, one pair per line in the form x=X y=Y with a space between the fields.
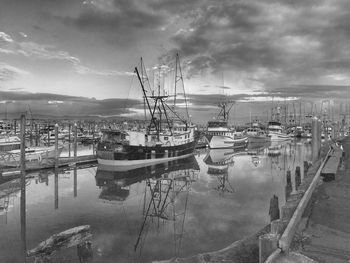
x=36 y=134
x=48 y=133
x=75 y=182
x=315 y=139
x=288 y=184
x=56 y=145
x=93 y=139
x=297 y=177
x=23 y=188
x=274 y=210
x=267 y=244
x=75 y=141
x=56 y=188
x=69 y=139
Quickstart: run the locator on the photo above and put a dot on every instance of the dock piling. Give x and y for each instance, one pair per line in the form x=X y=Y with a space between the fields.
x=75 y=141
x=56 y=146
x=69 y=138
x=23 y=189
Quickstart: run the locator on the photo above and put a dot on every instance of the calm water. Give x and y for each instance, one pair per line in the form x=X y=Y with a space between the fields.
x=181 y=208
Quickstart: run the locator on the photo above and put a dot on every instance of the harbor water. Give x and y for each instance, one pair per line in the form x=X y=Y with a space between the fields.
x=177 y=209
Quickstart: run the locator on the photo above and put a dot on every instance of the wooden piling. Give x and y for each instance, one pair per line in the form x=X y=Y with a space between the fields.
x=48 y=133
x=23 y=189
x=56 y=188
x=56 y=146
x=267 y=244
x=315 y=139
x=75 y=141
x=297 y=177
x=75 y=182
x=93 y=139
x=36 y=134
x=274 y=210
x=69 y=139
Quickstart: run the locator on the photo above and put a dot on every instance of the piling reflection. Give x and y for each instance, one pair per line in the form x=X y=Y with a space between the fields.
x=163 y=185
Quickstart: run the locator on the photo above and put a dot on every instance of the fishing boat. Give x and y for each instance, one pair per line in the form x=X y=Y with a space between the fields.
x=168 y=136
x=32 y=154
x=276 y=132
x=256 y=134
x=220 y=135
x=9 y=143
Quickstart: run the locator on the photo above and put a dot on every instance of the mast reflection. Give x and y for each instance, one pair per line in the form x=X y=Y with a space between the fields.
x=218 y=162
x=164 y=184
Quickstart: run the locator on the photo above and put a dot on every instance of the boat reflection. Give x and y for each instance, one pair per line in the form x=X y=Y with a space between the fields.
x=115 y=184
x=164 y=184
x=218 y=162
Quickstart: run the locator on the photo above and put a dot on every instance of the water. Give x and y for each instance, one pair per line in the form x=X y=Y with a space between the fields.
x=200 y=204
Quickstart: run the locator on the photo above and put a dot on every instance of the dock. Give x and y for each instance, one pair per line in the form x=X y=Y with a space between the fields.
x=50 y=164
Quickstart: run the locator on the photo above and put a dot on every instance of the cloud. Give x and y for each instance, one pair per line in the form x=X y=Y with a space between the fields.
x=5 y=37
x=8 y=72
x=265 y=44
x=85 y=70
x=50 y=52
x=120 y=23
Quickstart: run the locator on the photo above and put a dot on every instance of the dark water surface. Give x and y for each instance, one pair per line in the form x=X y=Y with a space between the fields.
x=195 y=205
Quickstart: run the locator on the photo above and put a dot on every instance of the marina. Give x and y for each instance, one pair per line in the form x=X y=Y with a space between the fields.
x=119 y=202
x=170 y=131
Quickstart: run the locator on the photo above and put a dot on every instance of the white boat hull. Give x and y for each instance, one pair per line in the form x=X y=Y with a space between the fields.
x=279 y=137
x=120 y=165
x=258 y=139
x=220 y=141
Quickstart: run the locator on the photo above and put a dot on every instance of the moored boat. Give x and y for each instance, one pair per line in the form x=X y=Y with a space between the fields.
x=276 y=133
x=32 y=154
x=9 y=143
x=220 y=135
x=167 y=137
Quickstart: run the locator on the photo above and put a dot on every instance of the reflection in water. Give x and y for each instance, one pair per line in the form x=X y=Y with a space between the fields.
x=161 y=211
x=163 y=184
x=218 y=162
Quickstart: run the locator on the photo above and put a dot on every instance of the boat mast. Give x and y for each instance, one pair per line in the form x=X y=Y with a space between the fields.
x=178 y=77
x=146 y=99
x=145 y=80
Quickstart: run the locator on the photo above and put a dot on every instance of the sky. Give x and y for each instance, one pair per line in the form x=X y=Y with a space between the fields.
x=78 y=56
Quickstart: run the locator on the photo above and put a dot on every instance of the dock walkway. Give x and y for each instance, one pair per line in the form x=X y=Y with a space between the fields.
x=49 y=164
x=327 y=233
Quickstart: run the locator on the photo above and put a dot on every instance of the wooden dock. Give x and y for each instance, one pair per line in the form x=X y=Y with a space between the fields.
x=50 y=164
x=330 y=169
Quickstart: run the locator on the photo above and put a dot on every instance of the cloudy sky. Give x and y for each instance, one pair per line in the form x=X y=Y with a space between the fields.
x=76 y=50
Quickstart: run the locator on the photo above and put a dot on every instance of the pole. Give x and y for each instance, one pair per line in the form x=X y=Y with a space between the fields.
x=48 y=133
x=75 y=141
x=56 y=146
x=75 y=182
x=56 y=188
x=36 y=134
x=23 y=189
x=69 y=138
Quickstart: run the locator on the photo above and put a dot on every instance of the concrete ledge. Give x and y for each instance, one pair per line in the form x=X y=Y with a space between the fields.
x=287 y=237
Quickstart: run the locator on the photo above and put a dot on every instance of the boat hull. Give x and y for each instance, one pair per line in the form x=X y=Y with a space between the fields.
x=139 y=156
x=220 y=141
x=279 y=137
x=121 y=165
x=258 y=139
